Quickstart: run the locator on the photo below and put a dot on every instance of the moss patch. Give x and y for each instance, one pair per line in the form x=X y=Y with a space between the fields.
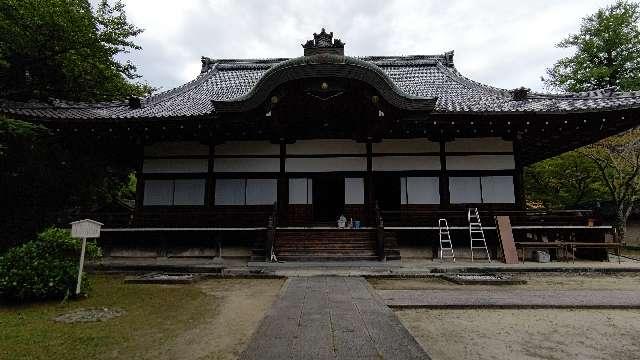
x=154 y=313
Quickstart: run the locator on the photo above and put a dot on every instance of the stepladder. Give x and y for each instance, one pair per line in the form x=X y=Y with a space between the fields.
x=476 y=233
x=446 y=246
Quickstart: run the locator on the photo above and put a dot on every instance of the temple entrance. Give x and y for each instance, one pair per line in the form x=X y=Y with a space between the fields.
x=328 y=197
x=387 y=191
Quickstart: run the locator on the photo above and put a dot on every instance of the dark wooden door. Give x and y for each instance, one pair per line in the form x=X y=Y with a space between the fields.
x=328 y=197
x=387 y=191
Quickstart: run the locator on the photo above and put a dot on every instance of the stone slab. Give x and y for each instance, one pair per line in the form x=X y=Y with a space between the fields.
x=331 y=318
x=579 y=299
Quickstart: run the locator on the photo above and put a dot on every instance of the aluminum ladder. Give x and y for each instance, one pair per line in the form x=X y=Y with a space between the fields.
x=445 y=241
x=476 y=233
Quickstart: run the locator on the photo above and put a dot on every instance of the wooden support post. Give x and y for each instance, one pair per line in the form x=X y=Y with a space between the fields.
x=283 y=187
x=368 y=187
x=518 y=176
x=444 y=177
x=138 y=212
x=210 y=190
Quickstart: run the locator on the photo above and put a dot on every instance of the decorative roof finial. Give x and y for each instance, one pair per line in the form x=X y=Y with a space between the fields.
x=520 y=93
x=323 y=43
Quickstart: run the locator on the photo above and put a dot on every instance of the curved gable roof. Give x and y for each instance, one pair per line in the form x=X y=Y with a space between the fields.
x=420 y=77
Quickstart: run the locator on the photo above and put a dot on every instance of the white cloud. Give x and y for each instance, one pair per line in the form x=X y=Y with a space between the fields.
x=502 y=43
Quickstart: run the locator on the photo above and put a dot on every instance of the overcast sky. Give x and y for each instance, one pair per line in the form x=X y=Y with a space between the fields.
x=507 y=44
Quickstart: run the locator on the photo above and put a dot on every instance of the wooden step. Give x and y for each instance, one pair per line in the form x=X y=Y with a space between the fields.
x=325 y=245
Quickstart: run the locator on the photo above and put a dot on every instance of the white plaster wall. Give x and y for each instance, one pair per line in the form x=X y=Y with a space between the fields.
x=481 y=162
x=326 y=146
x=479 y=144
x=406 y=146
x=354 y=191
x=247 y=148
x=223 y=165
x=401 y=163
x=176 y=148
x=151 y=166
x=326 y=164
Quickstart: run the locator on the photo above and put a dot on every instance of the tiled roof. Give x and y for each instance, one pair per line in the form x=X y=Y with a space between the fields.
x=425 y=76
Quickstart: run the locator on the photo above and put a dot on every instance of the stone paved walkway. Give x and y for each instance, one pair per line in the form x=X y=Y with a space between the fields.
x=331 y=318
x=606 y=299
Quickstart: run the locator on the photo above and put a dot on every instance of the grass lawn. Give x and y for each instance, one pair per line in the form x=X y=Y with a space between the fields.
x=154 y=315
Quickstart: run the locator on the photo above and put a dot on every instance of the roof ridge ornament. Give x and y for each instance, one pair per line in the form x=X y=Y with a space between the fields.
x=207 y=64
x=448 y=58
x=323 y=43
x=521 y=93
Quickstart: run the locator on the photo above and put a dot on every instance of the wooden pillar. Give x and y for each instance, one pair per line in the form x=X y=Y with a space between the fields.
x=283 y=187
x=518 y=175
x=368 y=186
x=210 y=190
x=138 y=213
x=444 y=177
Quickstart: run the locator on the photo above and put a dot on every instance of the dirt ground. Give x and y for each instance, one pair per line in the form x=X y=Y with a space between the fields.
x=535 y=281
x=241 y=306
x=525 y=334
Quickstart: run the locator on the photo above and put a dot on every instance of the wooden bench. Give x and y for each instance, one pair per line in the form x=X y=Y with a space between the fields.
x=591 y=245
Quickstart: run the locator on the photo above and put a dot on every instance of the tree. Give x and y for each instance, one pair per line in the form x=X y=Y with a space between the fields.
x=607 y=56
x=618 y=161
x=565 y=181
x=64 y=49
x=607 y=52
x=44 y=174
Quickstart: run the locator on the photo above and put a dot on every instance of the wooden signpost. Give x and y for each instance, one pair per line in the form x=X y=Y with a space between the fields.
x=84 y=229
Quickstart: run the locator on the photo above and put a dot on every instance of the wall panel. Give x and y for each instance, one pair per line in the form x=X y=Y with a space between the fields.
x=405 y=163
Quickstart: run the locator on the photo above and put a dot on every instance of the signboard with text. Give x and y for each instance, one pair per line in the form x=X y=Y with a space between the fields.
x=85 y=229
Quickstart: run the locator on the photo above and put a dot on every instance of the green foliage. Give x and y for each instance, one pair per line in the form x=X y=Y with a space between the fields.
x=43 y=173
x=16 y=133
x=65 y=49
x=565 y=181
x=617 y=160
x=607 y=52
x=45 y=268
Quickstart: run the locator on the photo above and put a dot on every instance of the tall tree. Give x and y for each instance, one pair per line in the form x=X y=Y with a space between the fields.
x=618 y=161
x=607 y=52
x=607 y=55
x=62 y=49
x=65 y=49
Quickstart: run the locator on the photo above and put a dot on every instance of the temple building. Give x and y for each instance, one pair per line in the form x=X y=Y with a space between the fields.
x=263 y=156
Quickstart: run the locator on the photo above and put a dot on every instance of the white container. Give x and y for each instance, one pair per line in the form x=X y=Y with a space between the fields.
x=542 y=256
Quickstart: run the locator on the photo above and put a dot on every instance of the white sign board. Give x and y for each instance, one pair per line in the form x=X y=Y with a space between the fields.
x=85 y=229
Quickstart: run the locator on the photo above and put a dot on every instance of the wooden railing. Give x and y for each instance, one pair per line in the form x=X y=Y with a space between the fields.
x=428 y=217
